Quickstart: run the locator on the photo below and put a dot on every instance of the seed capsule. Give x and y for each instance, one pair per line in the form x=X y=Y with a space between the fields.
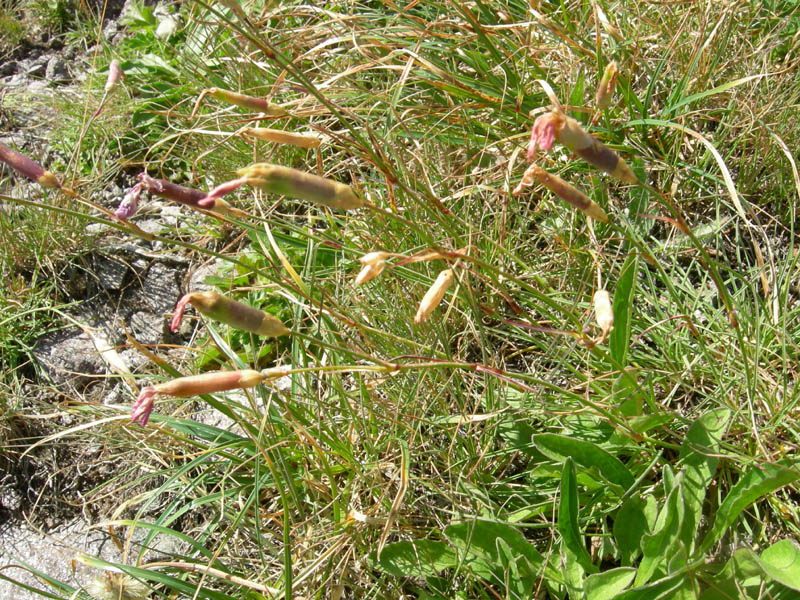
x=605 y=89
x=250 y=102
x=300 y=185
x=566 y=191
x=434 y=295
x=25 y=166
x=282 y=137
x=233 y=313
x=557 y=125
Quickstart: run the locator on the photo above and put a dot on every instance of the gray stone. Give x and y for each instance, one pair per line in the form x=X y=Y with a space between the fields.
x=110 y=272
x=197 y=280
x=147 y=328
x=57 y=70
x=69 y=358
x=161 y=290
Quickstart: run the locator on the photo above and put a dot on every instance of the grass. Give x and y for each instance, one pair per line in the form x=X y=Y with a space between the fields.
x=490 y=451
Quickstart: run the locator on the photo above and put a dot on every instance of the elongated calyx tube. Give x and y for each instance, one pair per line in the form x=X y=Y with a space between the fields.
x=564 y=190
x=30 y=169
x=239 y=316
x=190 y=197
x=249 y=102
x=193 y=385
x=300 y=185
x=603 y=313
x=555 y=125
x=605 y=89
x=434 y=295
x=114 y=75
x=278 y=136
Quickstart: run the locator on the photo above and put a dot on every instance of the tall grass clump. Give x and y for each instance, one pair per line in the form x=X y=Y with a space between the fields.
x=483 y=392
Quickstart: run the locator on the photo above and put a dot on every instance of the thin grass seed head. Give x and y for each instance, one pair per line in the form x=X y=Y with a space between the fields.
x=249 y=102
x=118 y=586
x=434 y=295
x=114 y=75
x=605 y=89
x=235 y=314
x=564 y=190
x=555 y=125
x=193 y=385
x=30 y=169
x=603 y=313
x=278 y=136
x=300 y=185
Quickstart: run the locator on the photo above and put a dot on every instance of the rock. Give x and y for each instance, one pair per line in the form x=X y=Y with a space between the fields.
x=147 y=328
x=160 y=289
x=197 y=281
x=69 y=358
x=110 y=273
x=57 y=70
x=9 y=68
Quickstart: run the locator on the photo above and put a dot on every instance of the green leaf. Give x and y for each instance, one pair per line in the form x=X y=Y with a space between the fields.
x=568 y=517
x=757 y=482
x=698 y=452
x=587 y=455
x=620 y=336
x=420 y=558
x=658 y=546
x=633 y=522
x=781 y=561
x=627 y=394
x=661 y=589
x=606 y=585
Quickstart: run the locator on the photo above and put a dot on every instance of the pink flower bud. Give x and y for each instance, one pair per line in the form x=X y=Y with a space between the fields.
x=249 y=102
x=25 y=166
x=233 y=313
x=300 y=185
x=566 y=191
x=114 y=75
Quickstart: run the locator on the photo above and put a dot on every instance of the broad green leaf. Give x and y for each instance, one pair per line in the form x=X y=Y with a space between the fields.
x=757 y=482
x=606 y=585
x=645 y=423
x=627 y=394
x=620 y=336
x=781 y=561
x=568 y=517
x=420 y=558
x=699 y=463
x=587 y=455
x=635 y=519
x=658 y=546
x=658 y=590
x=517 y=585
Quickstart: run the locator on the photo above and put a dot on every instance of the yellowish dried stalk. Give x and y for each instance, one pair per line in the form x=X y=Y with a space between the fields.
x=300 y=185
x=566 y=191
x=278 y=136
x=434 y=295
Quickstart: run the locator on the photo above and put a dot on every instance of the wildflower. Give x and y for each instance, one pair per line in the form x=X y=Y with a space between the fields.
x=555 y=125
x=434 y=295
x=190 y=197
x=605 y=89
x=25 y=166
x=243 y=101
x=114 y=75
x=300 y=185
x=603 y=313
x=282 y=137
x=233 y=313
x=193 y=385
x=566 y=191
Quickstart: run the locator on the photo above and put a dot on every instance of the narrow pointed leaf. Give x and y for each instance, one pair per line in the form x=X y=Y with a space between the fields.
x=585 y=454
x=568 y=517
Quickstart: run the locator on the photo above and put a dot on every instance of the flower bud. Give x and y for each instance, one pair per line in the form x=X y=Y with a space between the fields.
x=566 y=191
x=243 y=101
x=603 y=313
x=193 y=385
x=233 y=313
x=434 y=295
x=370 y=271
x=25 y=166
x=282 y=137
x=114 y=75
x=300 y=185
x=557 y=125
x=605 y=89
x=370 y=258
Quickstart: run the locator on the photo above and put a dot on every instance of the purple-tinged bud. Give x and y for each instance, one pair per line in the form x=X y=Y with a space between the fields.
x=25 y=166
x=221 y=190
x=188 y=196
x=566 y=191
x=557 y=125
x=193 y=385
x=249 y=102
x=233 y=313
x=114 y=75
x=130 y=203
x=300 y=185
